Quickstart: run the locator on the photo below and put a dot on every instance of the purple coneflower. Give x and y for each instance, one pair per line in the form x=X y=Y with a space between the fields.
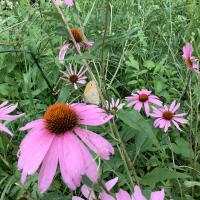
x=166 y=115
x=59 y=138
x=143 y=98
x=67 y=2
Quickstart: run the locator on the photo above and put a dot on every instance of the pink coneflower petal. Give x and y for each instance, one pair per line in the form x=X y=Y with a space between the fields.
x=5 y=129
x=34 y=123
x=146 y=108
x=138 y=106
x=3 y=104
x=35 y=152
x=63 y=165
x=73 y=155
x=95 y=142
x=5 y=111
x=105 y=196
x=176 y=108
x=87 y=192
x=11 y=117
x=48 y=169
x=137 y=195
x=181 y=120
x=187 y=51
x=69 y=2
x=111 y=183
x=62 y=52
x=167 y=125
x=176 y=125
x=91 y=166
x=91 y=115
x=77 y=198
x=131 y=104
x=87 y=44
x=155 y=101
x=158 y=195
x=123 y=195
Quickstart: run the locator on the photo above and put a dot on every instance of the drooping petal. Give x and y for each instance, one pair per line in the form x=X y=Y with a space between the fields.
x=49 y=166
x=187 y=51
x=105 y=196
x=122 y=194
x=91 y=166
x=62 y=52
x=146 y=108
x=87 y=192
x=111 y=183
x=69 y=2
x=32 y=124
x=5 y=129
x=11 y=117
x=95 y=142
x=33 y=152
x=158 y=195
x=167 y=125
x=155 y=101
x=181 y=120
x=138 y=106
x=77 y=198
x=91 y=115
x=58 y=2
x=176 y=125
x=137 y=194
x=73 y=156
x=63 y=165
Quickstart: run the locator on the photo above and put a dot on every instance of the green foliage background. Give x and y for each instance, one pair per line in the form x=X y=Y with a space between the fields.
x=142 y=49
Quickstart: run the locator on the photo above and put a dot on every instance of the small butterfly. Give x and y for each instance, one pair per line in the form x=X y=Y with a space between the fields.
x=91 y=93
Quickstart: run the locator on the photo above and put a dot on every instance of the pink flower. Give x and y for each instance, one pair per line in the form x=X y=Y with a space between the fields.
x=190 y=60
x=113 y=105
x=79 y=42
x=57 y=137
x=67 y=2
x=4 y=115
x=137 y=195
x=72 y=77
x=166 y=115
x=143 y=98
x=89 y=194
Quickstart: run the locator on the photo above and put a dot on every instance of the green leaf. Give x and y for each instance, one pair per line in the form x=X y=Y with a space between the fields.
x=135 y=120
x=161 y=174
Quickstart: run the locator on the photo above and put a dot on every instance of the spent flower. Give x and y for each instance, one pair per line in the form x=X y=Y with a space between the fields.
x=73 y=77
x=80 y=42
x=113 y=105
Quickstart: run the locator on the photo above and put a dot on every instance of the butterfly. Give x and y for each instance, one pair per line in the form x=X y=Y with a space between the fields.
x=91 y=93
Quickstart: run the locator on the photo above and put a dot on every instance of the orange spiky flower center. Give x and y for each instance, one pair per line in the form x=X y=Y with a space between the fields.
x=168 y=115
x=143 y=97
x=60 y=117
x=77 y=35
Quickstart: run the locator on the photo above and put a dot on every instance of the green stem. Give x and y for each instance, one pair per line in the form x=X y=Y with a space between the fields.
x=174 y=165
x=127 y=158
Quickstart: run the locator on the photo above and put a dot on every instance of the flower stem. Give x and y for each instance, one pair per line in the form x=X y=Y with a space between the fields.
x=174 y=165
x=125 y=154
